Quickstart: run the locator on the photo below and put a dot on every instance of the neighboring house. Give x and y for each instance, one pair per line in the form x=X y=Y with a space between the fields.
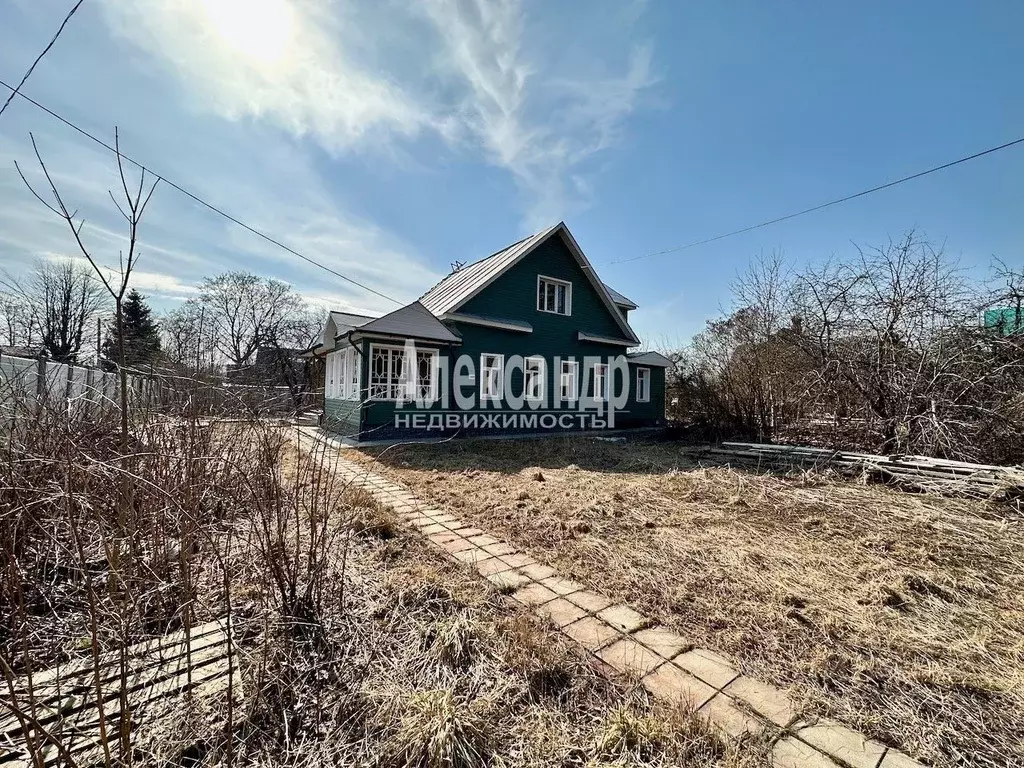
x=526 y=340
x=272 y=367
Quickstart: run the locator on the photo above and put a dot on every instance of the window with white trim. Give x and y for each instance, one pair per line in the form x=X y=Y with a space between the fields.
x=388 y=372
x=492 y=369
x=331 y=376
x=533 y=378
x=600 y=381
x=426 y=374
x=341 y=374
x=643 y=385
x=352 y=381
x=554 y=296
x=567 y=381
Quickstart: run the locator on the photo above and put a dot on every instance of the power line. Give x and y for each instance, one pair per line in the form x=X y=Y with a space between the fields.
x=39 y=58
x=823 y=205
x=194 y=197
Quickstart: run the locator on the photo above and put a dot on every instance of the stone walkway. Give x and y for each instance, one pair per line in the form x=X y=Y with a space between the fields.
x=630 y=643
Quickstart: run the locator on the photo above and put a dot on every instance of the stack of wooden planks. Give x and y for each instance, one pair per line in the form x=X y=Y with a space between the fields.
x=57 y=720
x=916 y=472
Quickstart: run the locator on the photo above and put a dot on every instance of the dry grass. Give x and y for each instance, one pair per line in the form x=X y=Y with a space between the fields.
x=898 y=614
x=426 y=666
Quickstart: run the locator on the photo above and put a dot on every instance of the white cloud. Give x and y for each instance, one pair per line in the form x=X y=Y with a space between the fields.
x=530 y=119
x=290 y=62
x=313 y=69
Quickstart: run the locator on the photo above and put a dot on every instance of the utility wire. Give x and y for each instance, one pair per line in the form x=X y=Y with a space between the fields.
x=196 y=197
x=39 y=58
x=823 y=205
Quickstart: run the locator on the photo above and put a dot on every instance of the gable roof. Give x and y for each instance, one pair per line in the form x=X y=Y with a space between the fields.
x=412 y=320
x=459 y=287
x=619 y=299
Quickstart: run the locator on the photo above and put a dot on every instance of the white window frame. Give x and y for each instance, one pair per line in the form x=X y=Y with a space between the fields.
x=395 y=388
x=569 y=375
x=643 y=375
x=485 y=395
x=433 y=355
x=541 y=280
x=600 y=371
x=354 y=365
x=534 y=366
x=330 y=376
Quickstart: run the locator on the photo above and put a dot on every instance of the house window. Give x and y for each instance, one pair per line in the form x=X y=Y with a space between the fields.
x=533 y=383
x=352 y=384
x=426 y=375
x=567 y=381
x=601 y=381
x=388 y=372
x=491 y=369
x=330 y=376
x=554 y=295
x=643 y=385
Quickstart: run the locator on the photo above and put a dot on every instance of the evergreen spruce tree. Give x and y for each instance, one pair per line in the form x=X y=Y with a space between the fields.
x=141 y=335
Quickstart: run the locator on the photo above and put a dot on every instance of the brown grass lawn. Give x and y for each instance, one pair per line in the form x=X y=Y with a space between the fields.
x=898 y=614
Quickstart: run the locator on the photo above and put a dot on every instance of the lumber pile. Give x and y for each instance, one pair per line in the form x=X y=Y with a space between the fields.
x=915 y=472
x=70 y=715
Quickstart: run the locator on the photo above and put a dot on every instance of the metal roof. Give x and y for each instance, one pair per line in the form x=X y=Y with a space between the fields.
x=412 y=320
x=462 y=284
x=343 y=321
x=655 y=359
x=618 y=298
x=457 y=288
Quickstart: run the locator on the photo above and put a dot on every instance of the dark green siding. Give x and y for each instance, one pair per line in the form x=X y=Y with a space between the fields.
x=342 y=416
x=514 y=296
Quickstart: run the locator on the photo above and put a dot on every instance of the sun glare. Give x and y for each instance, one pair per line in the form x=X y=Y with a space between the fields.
x=260 y=30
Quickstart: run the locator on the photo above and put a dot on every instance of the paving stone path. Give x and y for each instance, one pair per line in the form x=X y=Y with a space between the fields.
x=630 y=642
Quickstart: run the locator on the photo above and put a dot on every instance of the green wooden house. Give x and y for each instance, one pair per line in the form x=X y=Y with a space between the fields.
x=526 y=340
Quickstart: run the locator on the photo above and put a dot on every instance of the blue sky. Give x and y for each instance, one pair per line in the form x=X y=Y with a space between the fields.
x=389 y=139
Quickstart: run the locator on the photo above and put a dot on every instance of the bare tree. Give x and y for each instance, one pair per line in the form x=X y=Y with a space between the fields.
x=20 y=326
x=188 y=342
x=246 y=312
x=115 y=282
x=882 y=350
x=60 y=301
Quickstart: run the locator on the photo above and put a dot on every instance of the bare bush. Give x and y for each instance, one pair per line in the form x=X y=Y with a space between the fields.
x=883 y=350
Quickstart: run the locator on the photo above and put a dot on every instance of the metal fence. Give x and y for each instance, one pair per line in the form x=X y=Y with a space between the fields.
x=38 y=380
x=89 y=391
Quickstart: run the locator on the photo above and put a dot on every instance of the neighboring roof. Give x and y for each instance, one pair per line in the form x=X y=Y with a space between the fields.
x=619 y=299
x=410 y=321
x=460 y=286
x=655 y=359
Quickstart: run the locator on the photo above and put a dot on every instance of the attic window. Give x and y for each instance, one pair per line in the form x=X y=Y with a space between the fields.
x=554 y=296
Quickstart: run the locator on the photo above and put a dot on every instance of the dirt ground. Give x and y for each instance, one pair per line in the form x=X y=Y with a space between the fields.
x=898 y=614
